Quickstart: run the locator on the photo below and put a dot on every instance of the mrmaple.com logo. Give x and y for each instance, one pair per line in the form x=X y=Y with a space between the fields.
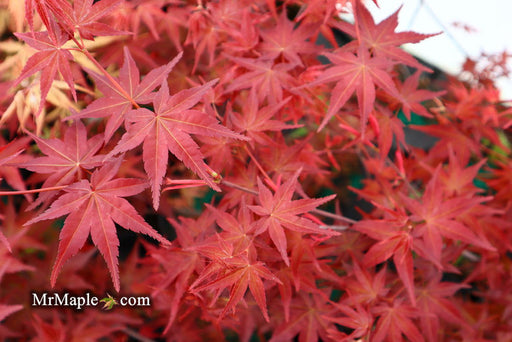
x=46 y=299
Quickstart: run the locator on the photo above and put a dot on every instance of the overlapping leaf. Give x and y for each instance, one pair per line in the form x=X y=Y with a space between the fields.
x=381 y=38
x=279 y=211
x=51 y=59
x=83 y=17
x=67 y=160
x=356 y=73
x=168 y=128
x=116 y=101
x=93 y=207
x=438 y=218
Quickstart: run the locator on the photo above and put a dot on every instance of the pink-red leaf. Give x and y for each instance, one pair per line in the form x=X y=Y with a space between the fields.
x=168 y=128
x=93 y=207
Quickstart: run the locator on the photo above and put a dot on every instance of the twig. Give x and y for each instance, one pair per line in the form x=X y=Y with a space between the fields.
x=136 y=335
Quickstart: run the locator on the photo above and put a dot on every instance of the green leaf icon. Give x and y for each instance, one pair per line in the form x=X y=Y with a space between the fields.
x=109 y=302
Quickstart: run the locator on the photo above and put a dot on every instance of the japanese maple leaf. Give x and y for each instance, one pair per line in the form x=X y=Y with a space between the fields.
x=44 y=331
x=180 y=262
x=67 y=160
x=355 y=73
x=457 y=178
x=436 y=302
x=394 y=320
x=310 y=319
x=50 y=60
x=84 y=15
x=9 y=157
x=236 y=272
x=462 y=141
x=366 y=288
x=279 y=211
x=180 y=266
x=46 y=9
x=411 y=97
x=237 y=230
x=395 y=241
x=437 y=217
x=358 y=319
x=168 y=128
x=116 y=102
x=284 y=40
x=257 y=119
x=381 y=38
x=268 y=79
x=93 y=207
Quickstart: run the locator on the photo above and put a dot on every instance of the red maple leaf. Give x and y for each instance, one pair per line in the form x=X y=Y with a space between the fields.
x=84 y=15
x=435 y=217
x=257 y=119
x=116 y=101
x=311 y=318
x=268 y=79
x=395 y=241
x=284 y=40
x=381 y=38
x=168 y=128
x=93 y=207
x=279 y=211
x=67 y=160
x=366 y=288
x=411 y=97
x=394 y=320
x=238 y=275
x=46 y=10
x=51 y=59
x=10 y=155
x=437 y=304
x=355 y=73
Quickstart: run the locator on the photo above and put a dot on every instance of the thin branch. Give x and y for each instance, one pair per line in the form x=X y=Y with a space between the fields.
x=239 y=187
x=136 y=335
x=333 y=216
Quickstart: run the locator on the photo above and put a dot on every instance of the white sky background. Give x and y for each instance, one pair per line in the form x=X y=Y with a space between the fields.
x=492 y=20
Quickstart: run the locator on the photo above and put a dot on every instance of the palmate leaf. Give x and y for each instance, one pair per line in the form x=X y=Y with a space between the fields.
x=50 y=59
x=396 y=320
x=93 y=207
x=238 y=274
x=438 y=217
x=67 y=160
x=84 y=16
x=284 y=40
x=356 y=73
x=279 y=211
x=117 y=102
x=168 y=128
x=381 y=38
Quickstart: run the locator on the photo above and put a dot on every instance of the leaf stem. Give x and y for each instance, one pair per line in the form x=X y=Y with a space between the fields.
x=270 y=182
x=34 y=191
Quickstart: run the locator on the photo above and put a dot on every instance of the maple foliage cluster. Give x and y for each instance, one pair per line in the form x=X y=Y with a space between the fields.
x=231 y=145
